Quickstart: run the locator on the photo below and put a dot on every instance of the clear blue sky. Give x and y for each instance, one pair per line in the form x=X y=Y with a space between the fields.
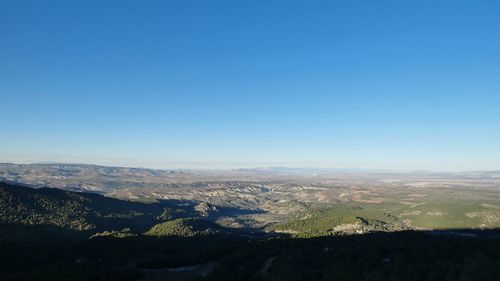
x=407 y=84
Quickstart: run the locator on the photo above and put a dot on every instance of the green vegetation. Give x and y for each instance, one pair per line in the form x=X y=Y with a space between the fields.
x=186 y=227
x=72 y=210
x=126 y=232
x=443 y=213
x=321 y=220
x=54 y=211
x=353 y=217
x=381 y=256
x=44 y=235
x=173 y=213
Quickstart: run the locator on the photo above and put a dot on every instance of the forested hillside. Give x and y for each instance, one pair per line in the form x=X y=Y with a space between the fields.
x=71 y=210
x=48 y=234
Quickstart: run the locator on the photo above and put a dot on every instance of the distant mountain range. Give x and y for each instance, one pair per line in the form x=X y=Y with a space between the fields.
x=83 y=177
x=104 y=179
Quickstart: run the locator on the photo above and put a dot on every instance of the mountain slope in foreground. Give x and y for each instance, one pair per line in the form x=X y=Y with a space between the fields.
x=159 y=245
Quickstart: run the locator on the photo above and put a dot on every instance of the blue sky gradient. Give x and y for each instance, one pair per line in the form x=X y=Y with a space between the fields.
x=400 y=84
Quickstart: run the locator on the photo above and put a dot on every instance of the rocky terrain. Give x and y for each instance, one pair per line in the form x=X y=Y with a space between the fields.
x=81 y=222
x=262 y=198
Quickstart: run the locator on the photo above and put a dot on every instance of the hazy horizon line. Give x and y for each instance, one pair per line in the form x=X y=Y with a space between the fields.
x=235 y=168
